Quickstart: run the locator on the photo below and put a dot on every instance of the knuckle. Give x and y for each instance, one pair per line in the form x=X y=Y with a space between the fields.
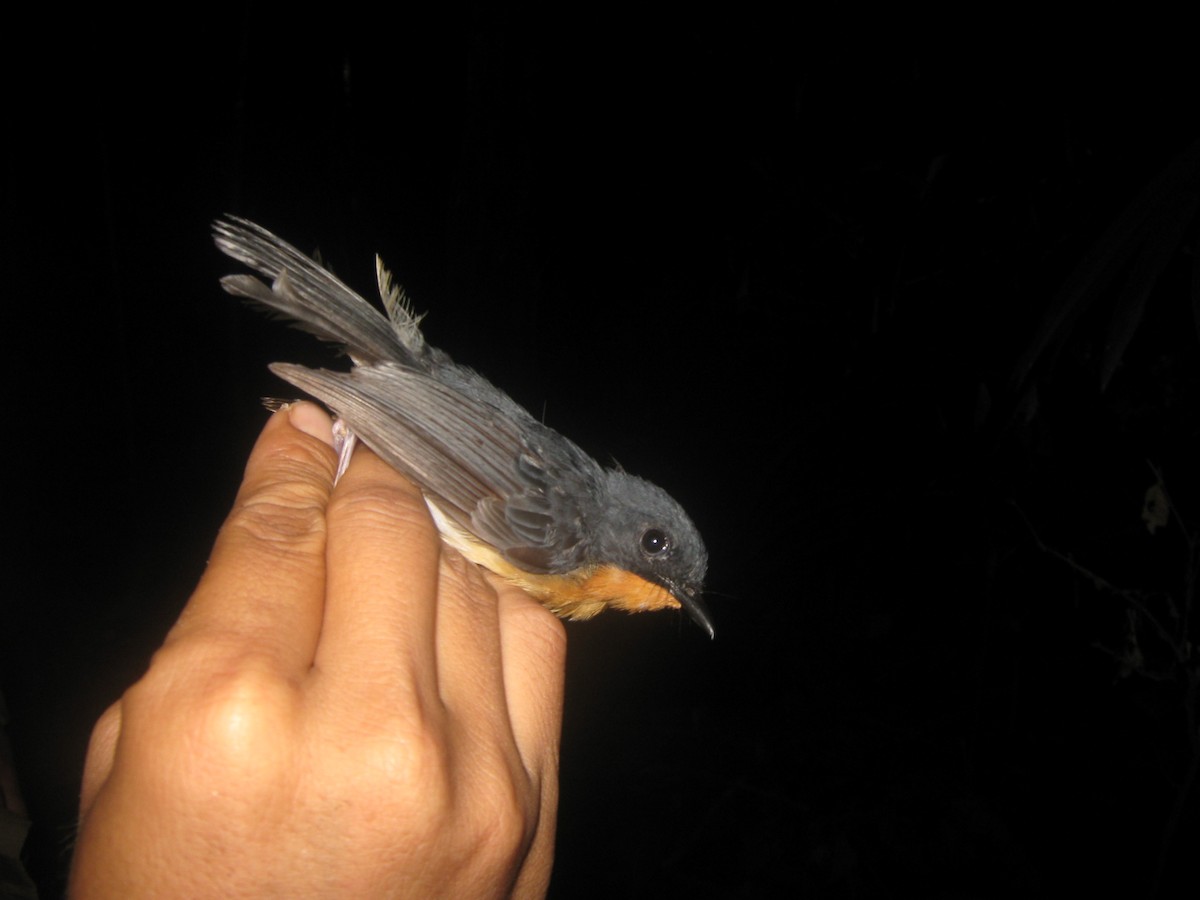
x=403 y=750
x=502 y=820
x=216 y=727
x=417 y=756
x=108 y=726
x=281 y=513
x=243 y=708
x=393 y=506
x=406 y=783
x=234 y=711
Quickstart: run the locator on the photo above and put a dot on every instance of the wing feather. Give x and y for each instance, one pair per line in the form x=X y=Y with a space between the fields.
x=471 y=458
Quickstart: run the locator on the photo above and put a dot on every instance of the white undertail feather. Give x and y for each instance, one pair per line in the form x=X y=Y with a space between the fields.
x=399 y=309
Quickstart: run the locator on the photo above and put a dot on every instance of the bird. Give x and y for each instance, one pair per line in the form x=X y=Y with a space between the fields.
x=505 y=490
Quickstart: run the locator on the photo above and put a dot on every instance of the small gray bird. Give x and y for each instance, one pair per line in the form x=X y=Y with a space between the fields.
x=507 y=492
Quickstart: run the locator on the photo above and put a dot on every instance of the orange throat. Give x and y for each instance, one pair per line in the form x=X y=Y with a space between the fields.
x=583 y=594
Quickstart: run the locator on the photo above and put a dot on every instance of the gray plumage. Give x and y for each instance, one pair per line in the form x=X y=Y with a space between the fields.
x=484 y=461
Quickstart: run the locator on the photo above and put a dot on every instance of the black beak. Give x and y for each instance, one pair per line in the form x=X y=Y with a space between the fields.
x=695 y=608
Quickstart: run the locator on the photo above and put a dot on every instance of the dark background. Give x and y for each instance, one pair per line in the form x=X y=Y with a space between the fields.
x=881 y=312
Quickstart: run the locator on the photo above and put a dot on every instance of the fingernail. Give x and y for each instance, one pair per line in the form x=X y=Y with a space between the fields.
x=312 y=420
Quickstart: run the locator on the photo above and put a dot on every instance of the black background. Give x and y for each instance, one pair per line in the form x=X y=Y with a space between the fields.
x=786 y=270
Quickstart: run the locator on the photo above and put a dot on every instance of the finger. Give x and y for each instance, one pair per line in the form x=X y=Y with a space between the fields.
x=533 y=882
x=383 y=558
x=533 y=644
x=263 y=590
x=470 y=673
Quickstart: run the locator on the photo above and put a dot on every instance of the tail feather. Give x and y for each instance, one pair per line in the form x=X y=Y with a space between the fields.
x=316 y=300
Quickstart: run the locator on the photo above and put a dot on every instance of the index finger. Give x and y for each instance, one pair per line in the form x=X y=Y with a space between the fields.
x=264 y=587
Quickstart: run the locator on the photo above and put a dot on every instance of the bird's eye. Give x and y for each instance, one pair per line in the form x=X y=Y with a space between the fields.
x=654 y=542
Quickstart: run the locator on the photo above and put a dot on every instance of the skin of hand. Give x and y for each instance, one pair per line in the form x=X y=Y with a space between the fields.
x=345 y=708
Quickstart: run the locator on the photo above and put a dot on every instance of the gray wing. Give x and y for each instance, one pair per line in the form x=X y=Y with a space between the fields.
x=315 y=300
x=508 y=480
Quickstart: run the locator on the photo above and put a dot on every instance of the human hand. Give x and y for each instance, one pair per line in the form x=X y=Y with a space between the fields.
x=345 y=708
